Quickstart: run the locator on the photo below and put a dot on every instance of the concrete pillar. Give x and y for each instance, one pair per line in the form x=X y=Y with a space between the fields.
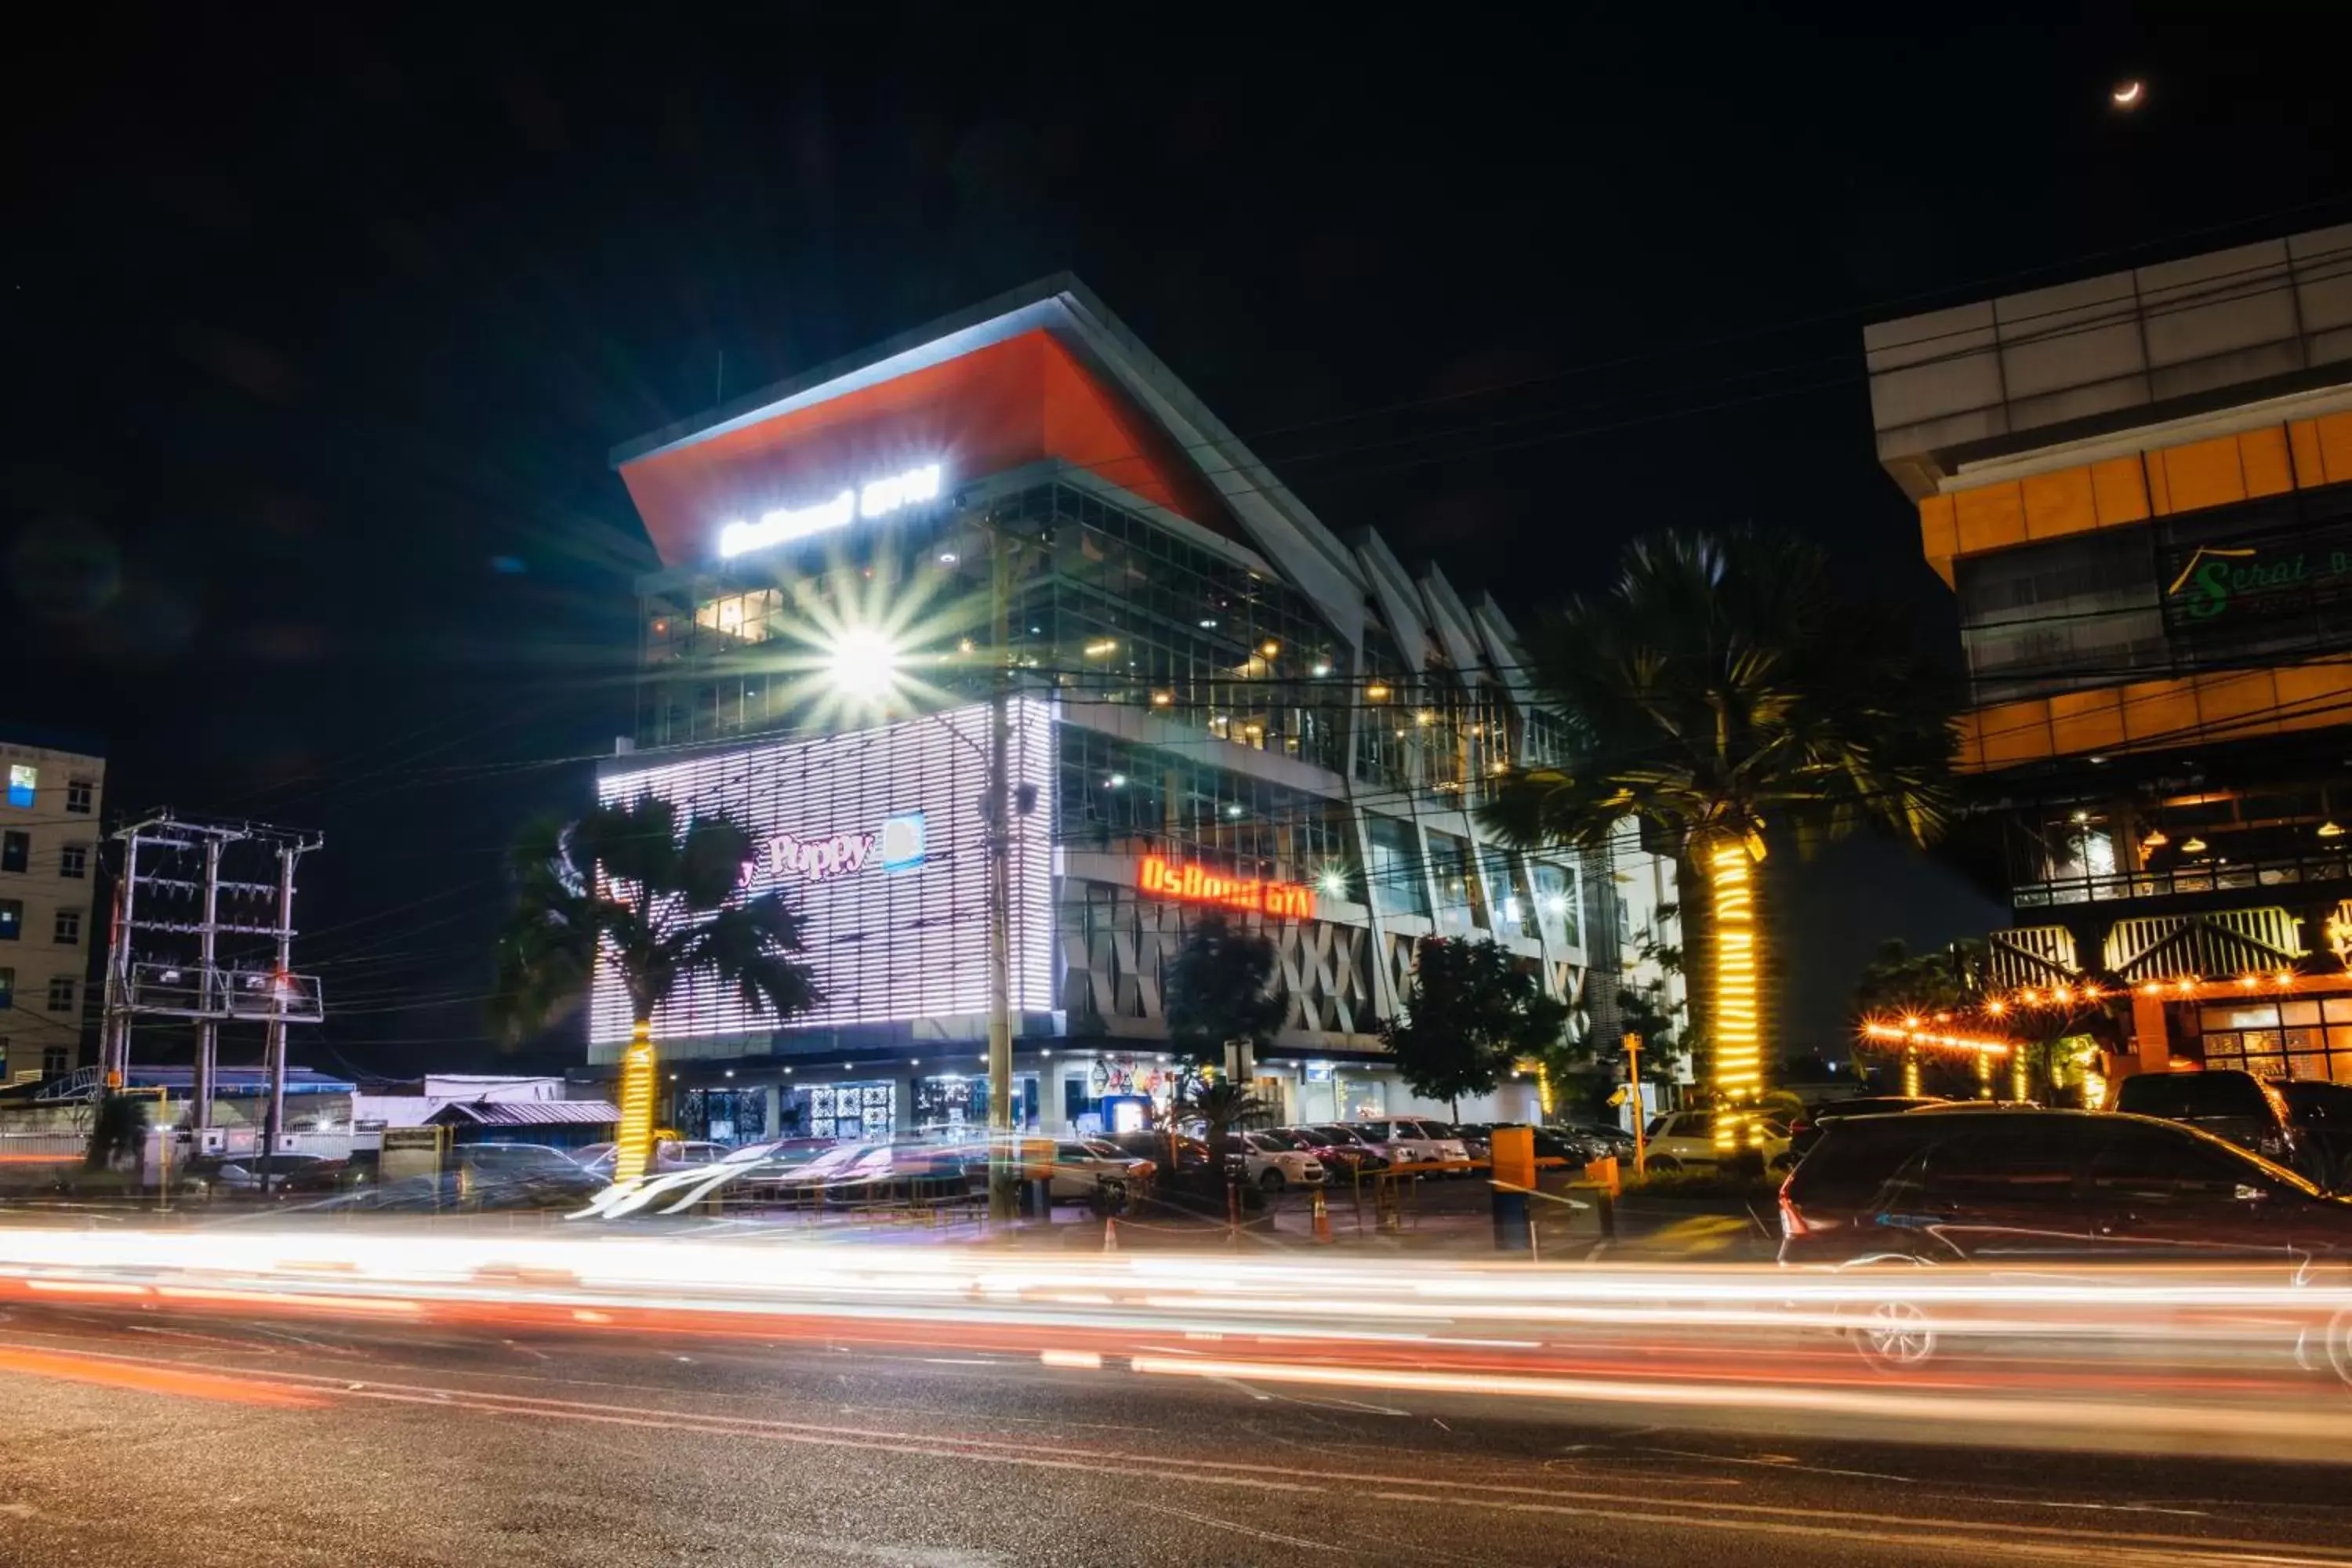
x=2150 y=1040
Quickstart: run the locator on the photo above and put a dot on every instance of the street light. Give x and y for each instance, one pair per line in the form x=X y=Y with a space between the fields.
x=862 y=663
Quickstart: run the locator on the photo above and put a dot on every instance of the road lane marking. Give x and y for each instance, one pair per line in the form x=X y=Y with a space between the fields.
x=1894 y=1527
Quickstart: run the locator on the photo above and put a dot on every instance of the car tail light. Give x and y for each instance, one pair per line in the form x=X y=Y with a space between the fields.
x=1792 y=1218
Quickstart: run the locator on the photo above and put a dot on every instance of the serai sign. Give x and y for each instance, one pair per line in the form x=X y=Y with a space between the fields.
x=1167 y=880
x=875 y=498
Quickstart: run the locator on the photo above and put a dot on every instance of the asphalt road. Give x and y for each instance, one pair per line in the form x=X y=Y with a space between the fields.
x=146 y=1438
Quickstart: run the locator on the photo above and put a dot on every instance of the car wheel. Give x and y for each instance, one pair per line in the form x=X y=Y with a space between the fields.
x=1783 y=1164
x=1271 y=1181
x=1895 y=1335
x=2339 y=1346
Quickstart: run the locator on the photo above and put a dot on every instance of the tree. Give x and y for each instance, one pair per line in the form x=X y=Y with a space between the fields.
x=1899 y=985
x=1222 y=1104
x=117 y=1133
x=1220 y=988
x=1720 y=692
x=1470 y=1013
x=658 y=903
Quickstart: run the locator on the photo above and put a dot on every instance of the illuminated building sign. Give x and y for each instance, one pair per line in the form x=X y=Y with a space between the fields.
x=892 y=894
x=900 y=841
x=1166 y=879
x=2214 y=578
x=875 y=498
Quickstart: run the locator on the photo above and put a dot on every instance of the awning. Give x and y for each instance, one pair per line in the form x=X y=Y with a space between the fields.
x=527 y=1113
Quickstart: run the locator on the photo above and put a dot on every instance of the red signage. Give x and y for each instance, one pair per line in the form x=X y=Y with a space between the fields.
x=1166 y=879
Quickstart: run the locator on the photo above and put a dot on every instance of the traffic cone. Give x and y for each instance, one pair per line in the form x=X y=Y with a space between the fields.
x=1111 y=1236
x=1322 y=1217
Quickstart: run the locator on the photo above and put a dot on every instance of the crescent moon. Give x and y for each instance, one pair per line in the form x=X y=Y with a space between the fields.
x=2128 y=94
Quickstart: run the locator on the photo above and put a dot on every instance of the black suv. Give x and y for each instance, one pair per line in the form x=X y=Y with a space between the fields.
x=2051 y=1192
x=1948 y=1186
x=1806 y=1130
x=2228 y=1104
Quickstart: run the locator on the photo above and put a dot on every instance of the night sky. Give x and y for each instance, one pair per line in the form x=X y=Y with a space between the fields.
x=317 y=340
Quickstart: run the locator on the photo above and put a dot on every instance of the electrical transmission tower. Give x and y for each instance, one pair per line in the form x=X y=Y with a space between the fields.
x=204 y=931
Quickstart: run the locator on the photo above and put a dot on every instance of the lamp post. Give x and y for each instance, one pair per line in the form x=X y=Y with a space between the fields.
x=1003 y=1177
x=1633 y=1087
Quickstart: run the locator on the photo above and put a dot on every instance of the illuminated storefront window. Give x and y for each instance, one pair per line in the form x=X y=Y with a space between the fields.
x=849 y=1111
x=2308 y=1038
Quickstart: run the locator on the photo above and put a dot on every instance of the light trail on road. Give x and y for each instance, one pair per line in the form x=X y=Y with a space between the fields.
x=2171 y=1356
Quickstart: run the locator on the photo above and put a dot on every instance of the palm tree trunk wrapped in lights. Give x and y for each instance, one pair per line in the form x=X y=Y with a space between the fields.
x=634 y=1140
x=659 y=903
x=1718 y=685
x=1739 y=1024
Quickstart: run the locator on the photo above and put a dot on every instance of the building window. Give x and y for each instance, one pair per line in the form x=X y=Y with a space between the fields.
x=15 y=851
x=12 y=920
x=7 y=988
x=69 y=928
x=80 y=796
x=61 y=994
x=1399 y=879
x=56 y=1060
x=73 y=861
x=23 y=780
x=1556 y=904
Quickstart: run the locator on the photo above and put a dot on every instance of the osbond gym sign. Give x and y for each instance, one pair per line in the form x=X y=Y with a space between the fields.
x=1253 y=895
x=875 y=498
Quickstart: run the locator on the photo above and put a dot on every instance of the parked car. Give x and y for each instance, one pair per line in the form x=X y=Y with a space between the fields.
x=523 y=1175
x=1556 y=1148
x=1408 y=1140
x=1190 y=1154
x=1806 y=1130
x=2229 y=1104
x=1340 y=1157
x=1609 y=1138
x=670 y=1154
x=2321 y=1115
x=241 y=1176
x=2042 y=1192
x=1271 y=1162
x=1684 y=1140
x=1090 y=1167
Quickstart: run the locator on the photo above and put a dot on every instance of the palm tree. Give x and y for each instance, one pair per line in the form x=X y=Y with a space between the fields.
x=1719 y=693
x=1222 y=1104
x=658 y=905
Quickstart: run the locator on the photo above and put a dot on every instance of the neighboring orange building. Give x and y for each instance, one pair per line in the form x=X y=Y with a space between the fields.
x=2139 y=487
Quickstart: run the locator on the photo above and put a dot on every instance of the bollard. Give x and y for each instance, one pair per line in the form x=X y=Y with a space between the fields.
x=1512 y=1231
x=1513 y=1158
x=1322 y=1217
x=1111 y=1236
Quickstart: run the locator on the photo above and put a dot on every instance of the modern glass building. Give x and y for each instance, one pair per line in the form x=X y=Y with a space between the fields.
x=1222 y=706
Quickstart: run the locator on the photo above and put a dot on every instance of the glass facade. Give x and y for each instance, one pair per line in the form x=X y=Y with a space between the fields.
x=1190 y=683
x=1124 y=798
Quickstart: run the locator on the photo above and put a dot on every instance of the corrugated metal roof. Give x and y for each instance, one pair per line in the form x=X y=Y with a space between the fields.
x=529 y=1112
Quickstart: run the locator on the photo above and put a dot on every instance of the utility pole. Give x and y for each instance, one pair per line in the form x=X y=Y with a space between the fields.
x=114 y=1048
x=1003 y=1190
x=280 y=989
x=169 y=959
x=208 y=1026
